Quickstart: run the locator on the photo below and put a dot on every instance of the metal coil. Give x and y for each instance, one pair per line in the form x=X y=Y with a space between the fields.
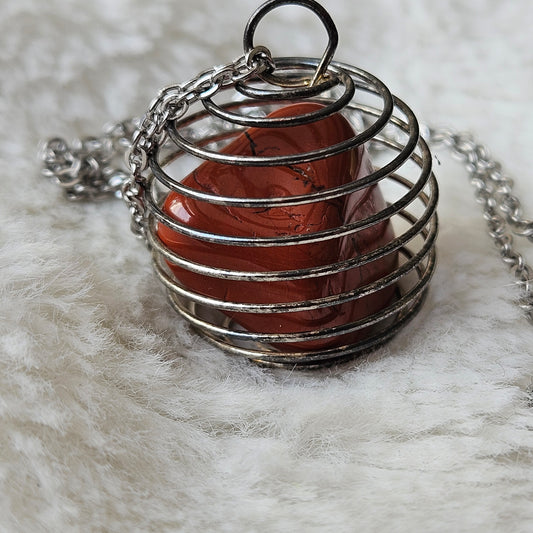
x=402 y=164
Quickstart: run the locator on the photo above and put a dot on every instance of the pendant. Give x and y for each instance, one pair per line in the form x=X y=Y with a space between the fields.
x=286 y=245
x=285 y=181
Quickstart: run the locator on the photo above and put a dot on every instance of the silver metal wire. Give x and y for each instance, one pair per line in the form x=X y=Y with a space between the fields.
x=333 y=38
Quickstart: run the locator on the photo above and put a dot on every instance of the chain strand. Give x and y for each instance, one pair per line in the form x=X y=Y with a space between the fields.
x=91 y=168
x=501 y=208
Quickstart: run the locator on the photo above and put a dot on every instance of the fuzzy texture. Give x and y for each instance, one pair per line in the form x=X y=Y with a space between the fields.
x=115 y=416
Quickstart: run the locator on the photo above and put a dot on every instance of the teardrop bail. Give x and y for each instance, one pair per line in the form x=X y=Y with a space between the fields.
x=325 y=18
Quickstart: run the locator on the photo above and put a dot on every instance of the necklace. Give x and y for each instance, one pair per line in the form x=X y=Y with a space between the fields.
x=307 y=234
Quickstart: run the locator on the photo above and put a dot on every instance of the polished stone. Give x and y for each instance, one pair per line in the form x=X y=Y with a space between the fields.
x=298 y=179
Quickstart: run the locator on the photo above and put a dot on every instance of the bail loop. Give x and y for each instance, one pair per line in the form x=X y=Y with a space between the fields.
x=322 y=67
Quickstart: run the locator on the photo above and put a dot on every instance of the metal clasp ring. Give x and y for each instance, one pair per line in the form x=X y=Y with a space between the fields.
x=323 y=15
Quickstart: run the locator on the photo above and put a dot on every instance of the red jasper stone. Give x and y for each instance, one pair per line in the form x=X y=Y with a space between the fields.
x=298 y=179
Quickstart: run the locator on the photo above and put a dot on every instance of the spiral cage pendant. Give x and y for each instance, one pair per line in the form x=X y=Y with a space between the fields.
x=384 y=126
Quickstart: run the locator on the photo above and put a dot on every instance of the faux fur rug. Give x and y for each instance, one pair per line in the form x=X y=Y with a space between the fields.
x=115 y=416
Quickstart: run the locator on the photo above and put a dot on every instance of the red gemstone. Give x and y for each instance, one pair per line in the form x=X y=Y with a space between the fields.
x=298 y=179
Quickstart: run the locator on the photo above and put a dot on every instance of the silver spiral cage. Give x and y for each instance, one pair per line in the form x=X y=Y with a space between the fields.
x=402 y=169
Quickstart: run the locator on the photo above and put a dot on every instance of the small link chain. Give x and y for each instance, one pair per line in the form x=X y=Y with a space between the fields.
x=501 y=208
x=90 y=168
x=171 y=104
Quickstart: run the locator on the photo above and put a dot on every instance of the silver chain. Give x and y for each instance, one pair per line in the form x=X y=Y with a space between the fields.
x=88 y=169
x=501 y=208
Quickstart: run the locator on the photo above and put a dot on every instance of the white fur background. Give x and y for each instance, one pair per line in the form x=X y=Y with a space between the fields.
x=114 y=416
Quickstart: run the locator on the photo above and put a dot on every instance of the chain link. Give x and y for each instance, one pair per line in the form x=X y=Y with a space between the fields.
x=501 y=208
x=90 y=168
